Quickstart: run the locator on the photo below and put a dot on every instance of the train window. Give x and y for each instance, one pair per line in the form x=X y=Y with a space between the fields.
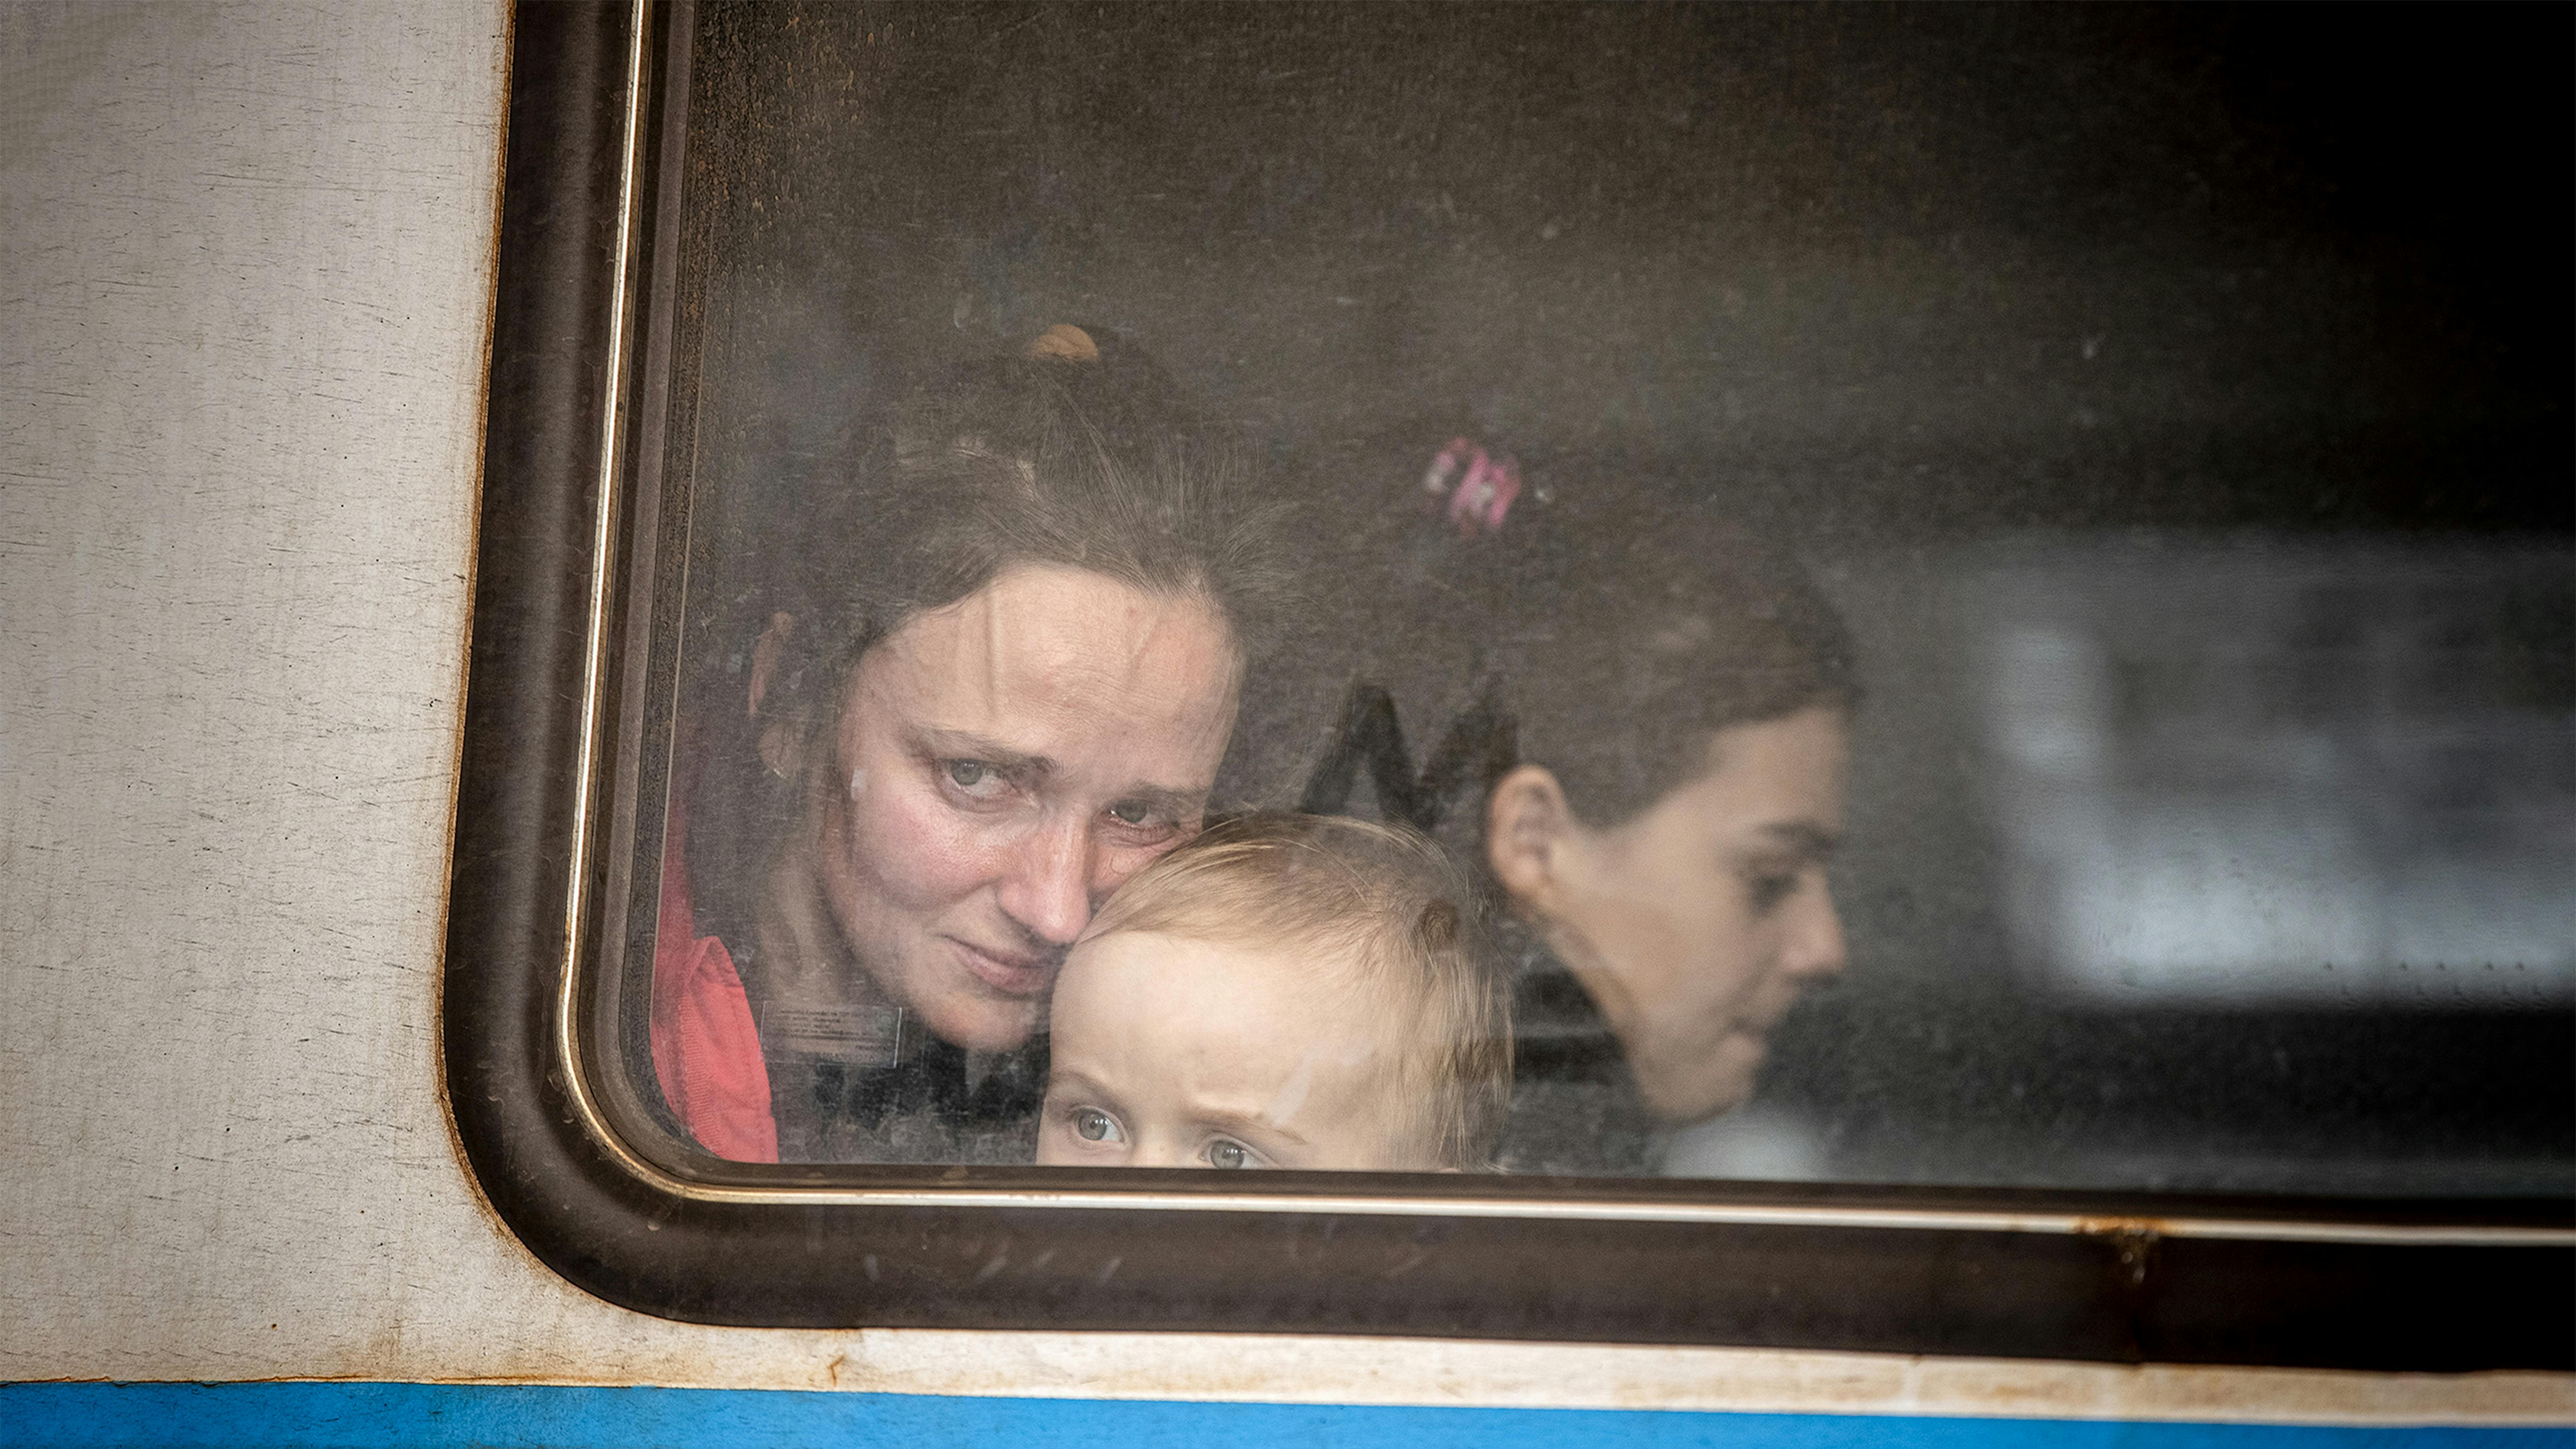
x=1890 y=679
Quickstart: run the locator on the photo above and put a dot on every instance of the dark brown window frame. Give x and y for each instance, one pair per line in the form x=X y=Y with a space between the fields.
x=586 y=357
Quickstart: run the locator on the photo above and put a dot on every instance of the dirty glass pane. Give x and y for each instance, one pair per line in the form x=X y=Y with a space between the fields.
x=1925 y=595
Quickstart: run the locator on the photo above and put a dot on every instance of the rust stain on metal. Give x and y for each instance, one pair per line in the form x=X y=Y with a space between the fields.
x=2134 y=1239
x=2116 y=1227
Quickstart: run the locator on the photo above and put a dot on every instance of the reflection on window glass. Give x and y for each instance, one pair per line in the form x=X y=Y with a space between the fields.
x=1898 y=596
x=2315 y=774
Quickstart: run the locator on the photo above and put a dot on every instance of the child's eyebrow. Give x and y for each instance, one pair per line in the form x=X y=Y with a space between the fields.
x=1245 y=1121
x=1071 y=1081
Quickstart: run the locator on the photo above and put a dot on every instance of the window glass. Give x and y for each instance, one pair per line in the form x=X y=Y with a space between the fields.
x=1908 y=596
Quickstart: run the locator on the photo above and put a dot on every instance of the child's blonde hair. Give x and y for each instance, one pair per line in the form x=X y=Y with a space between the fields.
x=1385 y=900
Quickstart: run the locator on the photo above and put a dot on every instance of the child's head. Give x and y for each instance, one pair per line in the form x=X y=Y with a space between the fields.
x=1290 y=991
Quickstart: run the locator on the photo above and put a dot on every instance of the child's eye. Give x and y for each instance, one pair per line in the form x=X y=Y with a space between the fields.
x=1225 y=1152
x=1093 y=1125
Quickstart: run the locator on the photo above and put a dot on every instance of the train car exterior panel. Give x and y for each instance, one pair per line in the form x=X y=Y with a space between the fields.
x=246 y=300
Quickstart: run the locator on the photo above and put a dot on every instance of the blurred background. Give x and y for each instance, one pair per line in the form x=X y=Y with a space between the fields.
x=2175 y=398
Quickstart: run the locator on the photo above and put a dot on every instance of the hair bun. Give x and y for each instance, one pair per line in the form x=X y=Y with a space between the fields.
x=1063 y=340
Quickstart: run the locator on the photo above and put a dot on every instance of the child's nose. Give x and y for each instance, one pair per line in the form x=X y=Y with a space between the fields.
x=1163 y=1152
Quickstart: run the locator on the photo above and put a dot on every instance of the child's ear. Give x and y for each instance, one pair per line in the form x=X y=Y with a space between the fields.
x=1527 y=830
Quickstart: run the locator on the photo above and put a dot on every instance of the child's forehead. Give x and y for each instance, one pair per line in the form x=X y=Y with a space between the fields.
x=1330 y=971
x=1168 y=944
x=1310 y=1032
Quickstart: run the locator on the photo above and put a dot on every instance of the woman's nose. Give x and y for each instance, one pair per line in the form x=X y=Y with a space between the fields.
x=1048 y=887
x=1817 y=949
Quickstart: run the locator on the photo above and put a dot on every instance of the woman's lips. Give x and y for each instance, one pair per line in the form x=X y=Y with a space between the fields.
x=1014 y=975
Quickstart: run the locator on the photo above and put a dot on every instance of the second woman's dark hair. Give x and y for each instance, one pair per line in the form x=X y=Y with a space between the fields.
x=1609 y=635
x=1623 y=655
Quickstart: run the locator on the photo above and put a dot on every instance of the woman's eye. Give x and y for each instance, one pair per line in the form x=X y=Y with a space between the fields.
x=1127 y=812
x=1093 y=1125
x=1768 y=891
x=1222 y=1153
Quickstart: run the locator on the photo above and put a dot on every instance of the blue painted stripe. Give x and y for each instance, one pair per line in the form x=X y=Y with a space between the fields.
x=415 y=1416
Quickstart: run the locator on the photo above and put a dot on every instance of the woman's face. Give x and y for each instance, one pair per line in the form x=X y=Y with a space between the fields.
x=1695 y=925
x=999 y=767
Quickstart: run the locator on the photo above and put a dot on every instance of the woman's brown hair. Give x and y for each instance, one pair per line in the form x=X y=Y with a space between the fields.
x=1079 y=451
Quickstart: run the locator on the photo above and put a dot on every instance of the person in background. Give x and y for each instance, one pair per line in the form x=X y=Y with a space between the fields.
x=1641 y=745
x=993 y=679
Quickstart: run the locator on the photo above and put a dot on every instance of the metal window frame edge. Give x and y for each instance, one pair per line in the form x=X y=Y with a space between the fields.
x=2123 y=1280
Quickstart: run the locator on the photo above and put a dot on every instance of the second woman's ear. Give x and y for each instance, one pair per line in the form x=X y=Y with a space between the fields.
x=1528 y=830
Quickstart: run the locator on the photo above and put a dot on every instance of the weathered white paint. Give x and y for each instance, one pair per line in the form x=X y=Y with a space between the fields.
x=244 y=276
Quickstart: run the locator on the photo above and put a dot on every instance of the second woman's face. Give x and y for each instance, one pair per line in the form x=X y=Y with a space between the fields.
x=1000 y=766
x=1696 y=924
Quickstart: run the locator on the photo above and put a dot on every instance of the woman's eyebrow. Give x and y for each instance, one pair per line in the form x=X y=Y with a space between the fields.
x=1017 y=764
x=1806 y=837
x=1165 y=799
x=1027 y=768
